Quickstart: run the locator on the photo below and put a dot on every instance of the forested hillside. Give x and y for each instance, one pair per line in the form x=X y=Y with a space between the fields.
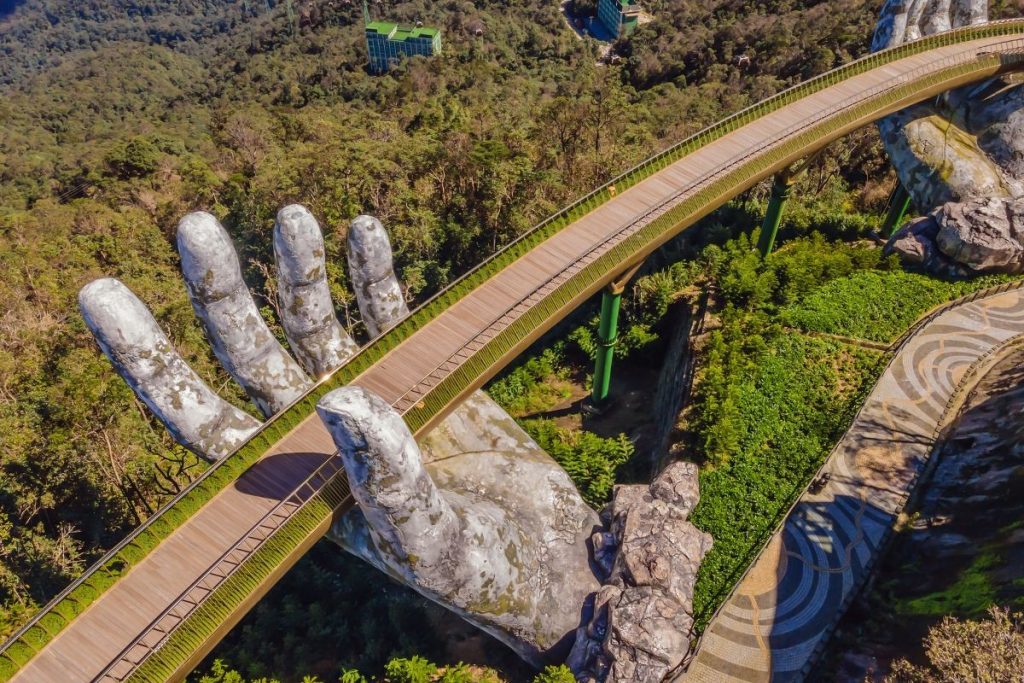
x=119 y=116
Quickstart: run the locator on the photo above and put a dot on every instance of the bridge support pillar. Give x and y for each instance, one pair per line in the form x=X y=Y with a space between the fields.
x=608 y=335
x=773 y=216
x=899 y=204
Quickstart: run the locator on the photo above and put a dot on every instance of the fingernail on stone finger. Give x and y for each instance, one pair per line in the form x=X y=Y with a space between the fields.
x=381 y=303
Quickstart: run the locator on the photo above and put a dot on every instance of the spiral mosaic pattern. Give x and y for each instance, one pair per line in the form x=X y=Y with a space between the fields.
x=771 y=627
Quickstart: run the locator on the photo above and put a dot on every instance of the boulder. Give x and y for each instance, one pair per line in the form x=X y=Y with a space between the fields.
x=915 y=243
x=639 y=627
x=982 y=233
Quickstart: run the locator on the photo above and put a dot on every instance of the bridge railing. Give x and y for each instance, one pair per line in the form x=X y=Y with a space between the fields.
x=50 y=620
x=288 y=523
x=510 y=327
x=442 y=386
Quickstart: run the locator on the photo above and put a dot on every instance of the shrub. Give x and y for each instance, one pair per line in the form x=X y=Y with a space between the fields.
x=590 y=460
x=535 y=385
x=413 y=670
x=877 y=305
x=555 y=674
x=988 y=650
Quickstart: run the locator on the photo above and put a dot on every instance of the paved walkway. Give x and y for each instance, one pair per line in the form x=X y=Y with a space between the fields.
x=445 y=359
x=783 y=610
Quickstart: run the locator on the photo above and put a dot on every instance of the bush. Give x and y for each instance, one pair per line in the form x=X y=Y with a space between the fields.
x=413 y=670
x=877 y=305
x=590 y=460
x=555 y=674
x=988 y=650
x=536 y=385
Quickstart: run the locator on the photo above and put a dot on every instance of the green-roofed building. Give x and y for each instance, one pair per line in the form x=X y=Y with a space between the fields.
x=620 y=17
x=387 y=43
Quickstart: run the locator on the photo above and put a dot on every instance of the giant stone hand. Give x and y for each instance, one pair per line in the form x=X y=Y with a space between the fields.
x=960 y=156
x=480 y=520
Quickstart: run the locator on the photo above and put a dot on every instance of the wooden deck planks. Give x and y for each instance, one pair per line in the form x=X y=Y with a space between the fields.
x=124 y=612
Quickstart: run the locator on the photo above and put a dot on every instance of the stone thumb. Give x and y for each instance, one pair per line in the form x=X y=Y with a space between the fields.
x=412 y=525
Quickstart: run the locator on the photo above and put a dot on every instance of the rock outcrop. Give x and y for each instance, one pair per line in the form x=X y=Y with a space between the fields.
x=642 y=615
x=960 y=156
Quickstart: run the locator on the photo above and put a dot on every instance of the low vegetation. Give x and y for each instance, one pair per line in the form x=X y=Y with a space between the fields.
x=536 y=385
x=589 y=459
x=987 y=650
x=878 y=306
x=399 y=670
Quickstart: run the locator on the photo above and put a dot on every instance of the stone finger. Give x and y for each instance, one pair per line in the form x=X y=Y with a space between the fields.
x=891 y=27
x=371 y=267
x=130 y=337
x=410 y=522
x=319 y=341
x=239 y=335
x=936 y=18
x=917 y=11
x=968 y=12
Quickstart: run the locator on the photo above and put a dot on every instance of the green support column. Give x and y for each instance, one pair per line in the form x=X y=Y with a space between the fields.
x=899 y=204
x=608 y=335
x=773 y=217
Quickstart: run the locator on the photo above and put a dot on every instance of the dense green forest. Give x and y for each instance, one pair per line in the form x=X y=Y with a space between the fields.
x=118 y=116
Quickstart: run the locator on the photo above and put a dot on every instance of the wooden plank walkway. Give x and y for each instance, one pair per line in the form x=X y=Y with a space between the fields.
x=93 y=646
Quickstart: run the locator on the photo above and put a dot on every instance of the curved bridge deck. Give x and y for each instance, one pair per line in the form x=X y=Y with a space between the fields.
x=144 y=625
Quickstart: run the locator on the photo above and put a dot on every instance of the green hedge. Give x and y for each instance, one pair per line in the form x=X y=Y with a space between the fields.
x=878 y=306
x=127 y=554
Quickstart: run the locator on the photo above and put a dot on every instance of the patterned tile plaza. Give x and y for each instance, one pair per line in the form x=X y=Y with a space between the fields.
x=772 y=625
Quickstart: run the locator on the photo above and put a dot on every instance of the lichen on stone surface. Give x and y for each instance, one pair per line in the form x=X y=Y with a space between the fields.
x=307 y=313
x=141 y=353
x=491 y=555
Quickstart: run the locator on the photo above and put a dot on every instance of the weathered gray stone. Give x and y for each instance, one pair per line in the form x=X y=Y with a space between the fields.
x=960 y=156
x=640 y=626
x=307 y=313
x=937 y=161
x=510 y=558
x=678 y=485
x=141 y=353
x=648 y=635
x=983 y=232
x=240 y=337
x=916 y=244
x=381 y=302
x=904 y=20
